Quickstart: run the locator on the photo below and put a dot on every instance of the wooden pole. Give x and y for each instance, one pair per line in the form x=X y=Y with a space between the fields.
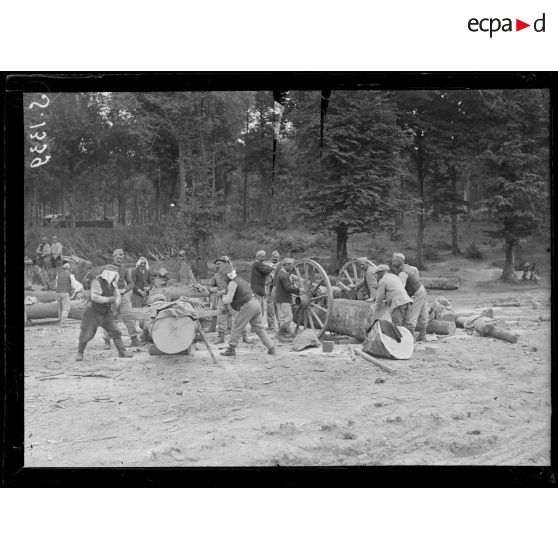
x=375 y=361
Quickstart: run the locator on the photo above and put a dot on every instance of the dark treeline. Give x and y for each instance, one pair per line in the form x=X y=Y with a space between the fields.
x=200 y=161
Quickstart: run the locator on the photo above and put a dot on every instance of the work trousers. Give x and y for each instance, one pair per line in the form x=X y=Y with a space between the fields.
x=63 y=300
x=224 y=321
x=126 y=306
x=417 y=313
x=284 y=315
x=271 y=311
x=262 y=301
x=400 y=316
x=249 y=313
x=92 y=320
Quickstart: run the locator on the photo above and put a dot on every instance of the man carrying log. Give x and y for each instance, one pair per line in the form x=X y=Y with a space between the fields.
x=369 y=283
x=242 y=299
x=284 y=290
x=63 y=285
x=101 y=311
x=409 y=276
x=392 y=291
x=125 y=286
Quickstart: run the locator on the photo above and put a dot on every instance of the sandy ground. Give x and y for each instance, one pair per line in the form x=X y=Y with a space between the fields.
x=475 y=401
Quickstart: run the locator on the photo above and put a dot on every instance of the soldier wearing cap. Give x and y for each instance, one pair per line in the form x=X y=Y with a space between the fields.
x=257 y=279
x=63 y=285
x=101 y=309
x=56 y=253
x=368 y=283
x=125 y=286
x=391 y=290
x=284 y=290
x=409 y=276
x=270 y=291
x=218 y=286
x=240 y=297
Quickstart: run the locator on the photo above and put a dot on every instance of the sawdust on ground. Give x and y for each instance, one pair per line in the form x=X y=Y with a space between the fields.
x=475 y=400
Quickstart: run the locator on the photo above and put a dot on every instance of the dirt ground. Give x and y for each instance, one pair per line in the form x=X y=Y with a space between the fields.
x=474 y=401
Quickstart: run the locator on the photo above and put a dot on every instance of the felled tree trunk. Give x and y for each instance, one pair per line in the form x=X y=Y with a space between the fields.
x=354 y=317
x=441 y=283
x=43 y=310
x=42 y=296
x=176 y=291
x=485 y=327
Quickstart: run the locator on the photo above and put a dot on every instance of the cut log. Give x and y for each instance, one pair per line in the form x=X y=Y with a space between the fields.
x=441 y=283
x=440 y=328
x=42 y=296
x=172 y=332
x=486 y=327
x=354 y=317
x=506 y=304
x=375 y=361
x=153 y=350
x=43 y=310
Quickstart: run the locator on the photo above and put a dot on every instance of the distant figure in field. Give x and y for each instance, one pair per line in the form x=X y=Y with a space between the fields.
x=43 y=258
x=56 y=253
x=257 y=279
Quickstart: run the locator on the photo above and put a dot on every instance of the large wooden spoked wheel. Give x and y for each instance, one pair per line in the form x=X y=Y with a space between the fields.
x=349 y=275
x=312 y=308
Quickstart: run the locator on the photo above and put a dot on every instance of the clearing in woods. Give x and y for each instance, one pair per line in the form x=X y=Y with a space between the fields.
x=466 y=400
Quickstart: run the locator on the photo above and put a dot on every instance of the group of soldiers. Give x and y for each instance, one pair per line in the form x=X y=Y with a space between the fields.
x=400 y=286
x=267 y=297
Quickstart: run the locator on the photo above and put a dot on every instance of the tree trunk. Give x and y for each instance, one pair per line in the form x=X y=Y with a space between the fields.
x=454 y=240
x=341 y=248
x=420 y=219
x=509 y=268
x=245 y=196
x=181 y=175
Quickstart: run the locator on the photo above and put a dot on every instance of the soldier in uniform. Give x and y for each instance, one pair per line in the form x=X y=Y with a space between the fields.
x=101 y=310
x=409 y=276
x=242 y=299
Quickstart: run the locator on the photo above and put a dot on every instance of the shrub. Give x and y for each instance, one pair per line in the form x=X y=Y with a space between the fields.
x=430 y=253
x=473 y=252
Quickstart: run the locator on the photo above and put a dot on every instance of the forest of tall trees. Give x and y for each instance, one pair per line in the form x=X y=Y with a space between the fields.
x=199 y=161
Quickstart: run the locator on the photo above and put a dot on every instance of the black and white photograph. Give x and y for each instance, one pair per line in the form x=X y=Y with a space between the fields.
x=350 y=276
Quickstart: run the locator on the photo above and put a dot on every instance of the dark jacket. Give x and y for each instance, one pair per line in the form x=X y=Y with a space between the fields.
x=284 y=289
x=108 y=290
x=257 y=278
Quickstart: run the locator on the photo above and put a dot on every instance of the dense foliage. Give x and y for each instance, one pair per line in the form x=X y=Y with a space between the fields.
x=200 y=161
